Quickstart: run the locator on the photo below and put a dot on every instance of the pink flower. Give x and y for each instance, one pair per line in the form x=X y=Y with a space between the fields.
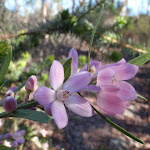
x=18 y=136
x=115 y=93
x=14 y=144
x=114 y=74
x=63 y=93
x=93 y=65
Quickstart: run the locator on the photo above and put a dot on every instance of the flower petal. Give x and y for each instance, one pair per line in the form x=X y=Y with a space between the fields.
x=56 y=75
x=97 y=65
x=79 y=105
x=74 y=65
x=47 y=109
x=105 y=76
x=110 y=88
x=94 y=88
x=126 y=92
x=122 y=61
x=20 y=140
x=110 y=103
x=78 y=82
x=44 y=95
x=59 y=114
x=125 y=71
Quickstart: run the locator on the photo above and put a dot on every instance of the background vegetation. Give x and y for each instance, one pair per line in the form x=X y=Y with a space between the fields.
x=40 y=31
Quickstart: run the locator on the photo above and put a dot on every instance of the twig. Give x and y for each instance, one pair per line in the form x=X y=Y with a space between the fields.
x=93 y=33
x=86 y=13
x=124 y=45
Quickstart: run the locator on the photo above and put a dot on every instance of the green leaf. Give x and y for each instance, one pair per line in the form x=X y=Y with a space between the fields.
x=140 y=60
x=118 y=127
x=67 y=68
x=142 y=97
x=21 y=86
x=32 y=115
x=2 y=147
x=1 y=86
x=5 y=65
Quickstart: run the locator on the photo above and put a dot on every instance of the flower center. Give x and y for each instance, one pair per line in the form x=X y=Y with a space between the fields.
x=62 y=95
x=93 y=70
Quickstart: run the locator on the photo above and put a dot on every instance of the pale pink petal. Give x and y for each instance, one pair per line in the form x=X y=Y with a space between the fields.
x=94 y=88
x=44 y=95
x=77 y=82
x=126 y=92
x=56 y=75
x=105 y=76
x=20 y=140
x=110 y=88
x=79 y=105
x=110 y=103
x=125 y=71
x=97 y=65
x=122 y=61
x=74 y=65
x=14 y=144
x=47 y=109
x=21 y=132
x=59 y=114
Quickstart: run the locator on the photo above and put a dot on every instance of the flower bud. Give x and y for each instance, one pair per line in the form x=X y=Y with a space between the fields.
x=10 y=92
x=31 y=83
x=10 y=104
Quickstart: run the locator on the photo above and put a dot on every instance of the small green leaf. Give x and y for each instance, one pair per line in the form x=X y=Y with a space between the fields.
x=142 y=97
x=21 y=86
x=32 y=115
x=1 y=86
x=5 y=65
x=67 y=68
x=140 y=60
x=2 y=147
x=118 y=127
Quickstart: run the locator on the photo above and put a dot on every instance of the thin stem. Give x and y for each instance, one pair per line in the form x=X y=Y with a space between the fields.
x=118 y=127
x=86 y=13
x=93 y=33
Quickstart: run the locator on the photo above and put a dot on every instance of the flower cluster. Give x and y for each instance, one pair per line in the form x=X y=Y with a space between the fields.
x=16 y=138
x=10 y=103
x=112 y=92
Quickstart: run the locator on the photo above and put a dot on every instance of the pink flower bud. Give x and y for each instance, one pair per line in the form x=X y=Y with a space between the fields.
x=31 y=83
x=10 y=104
x=10 y=92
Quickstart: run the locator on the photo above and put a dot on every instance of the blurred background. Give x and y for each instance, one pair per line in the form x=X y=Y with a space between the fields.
x=40 y=31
